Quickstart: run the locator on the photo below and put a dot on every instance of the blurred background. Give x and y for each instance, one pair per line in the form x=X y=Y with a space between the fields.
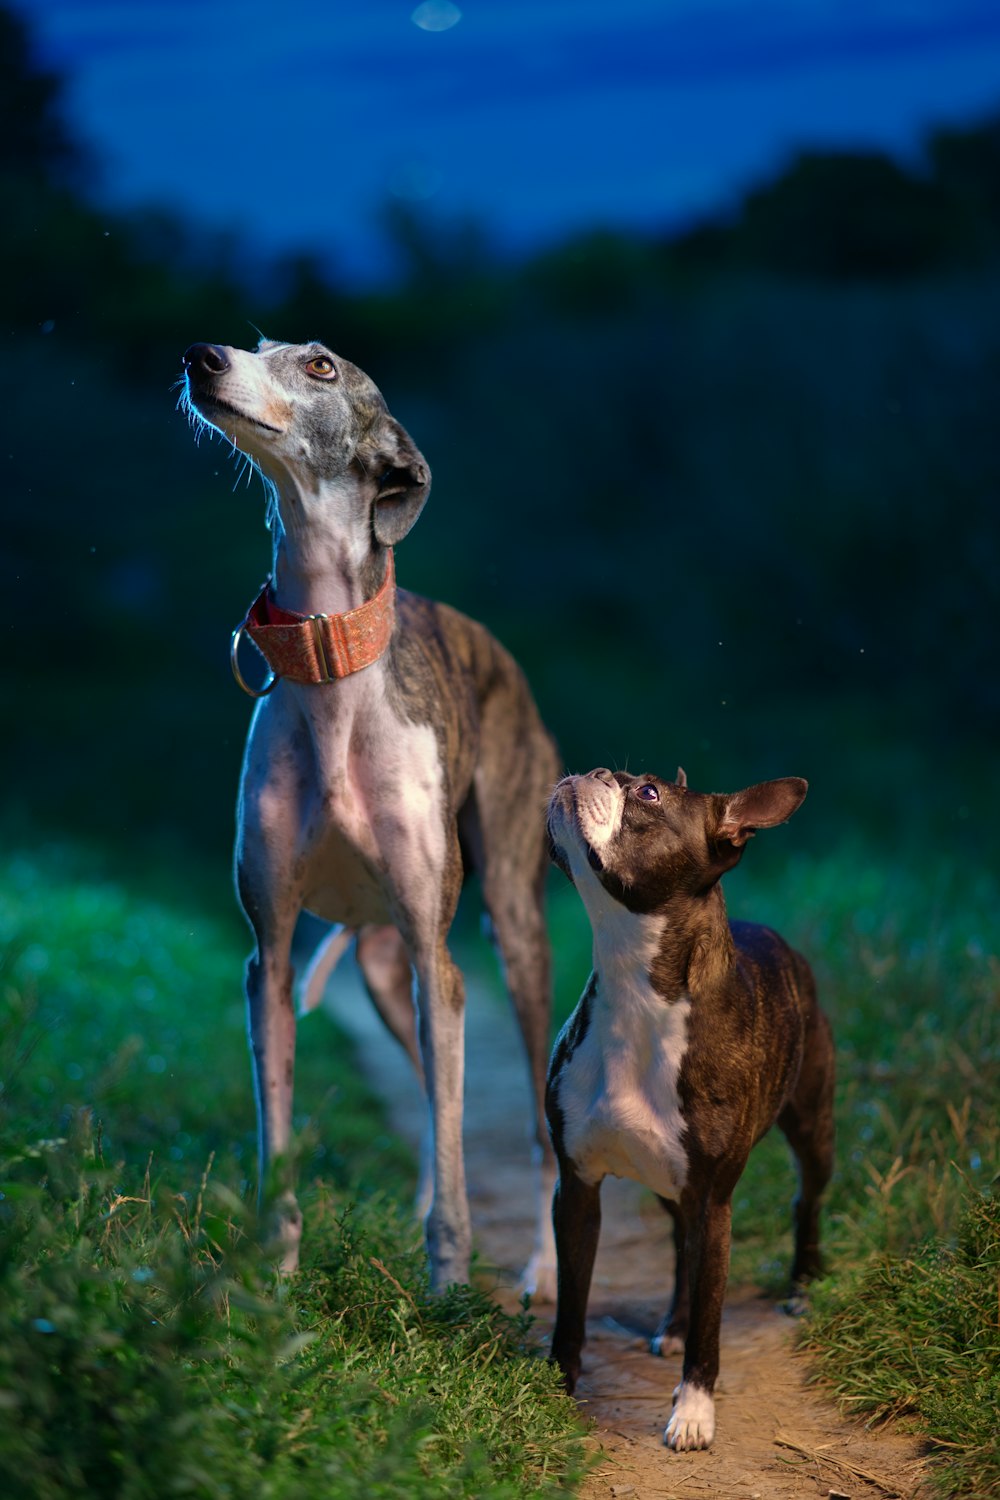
x=693 y=309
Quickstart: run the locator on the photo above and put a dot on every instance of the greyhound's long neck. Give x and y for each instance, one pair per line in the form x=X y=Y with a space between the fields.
x=325 y=561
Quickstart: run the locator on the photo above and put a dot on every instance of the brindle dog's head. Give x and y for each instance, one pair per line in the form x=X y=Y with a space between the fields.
x=300 y=411
x=645 y=840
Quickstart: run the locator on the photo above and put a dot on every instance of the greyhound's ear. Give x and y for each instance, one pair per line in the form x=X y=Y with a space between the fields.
x=403 y=483
x=761 y=806
x=681 y=778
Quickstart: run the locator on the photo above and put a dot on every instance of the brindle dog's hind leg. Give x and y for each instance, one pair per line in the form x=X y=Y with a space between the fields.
x=807 y=1123
x=673 y=1326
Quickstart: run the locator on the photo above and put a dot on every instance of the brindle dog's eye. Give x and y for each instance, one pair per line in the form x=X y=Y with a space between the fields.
x=647 y=793
x=322 y=367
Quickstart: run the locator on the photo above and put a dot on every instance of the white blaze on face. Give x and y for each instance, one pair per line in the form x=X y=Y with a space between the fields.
x=249 y=385
x=598 y=810
x=593 y=819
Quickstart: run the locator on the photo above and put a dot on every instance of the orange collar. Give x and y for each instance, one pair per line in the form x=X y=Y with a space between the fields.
x=317 y=648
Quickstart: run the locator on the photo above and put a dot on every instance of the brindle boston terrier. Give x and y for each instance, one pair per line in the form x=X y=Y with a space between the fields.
x=692 y=1038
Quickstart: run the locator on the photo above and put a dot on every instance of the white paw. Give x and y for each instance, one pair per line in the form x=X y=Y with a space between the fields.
x=692 y=1421
x=665 y=1344
x=538 y=1280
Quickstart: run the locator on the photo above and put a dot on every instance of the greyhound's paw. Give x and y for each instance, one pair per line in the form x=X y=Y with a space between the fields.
x=666 y=1344
x=692 y=1421
x=538 y=1280
x=796 y=1305
x=283 y=1234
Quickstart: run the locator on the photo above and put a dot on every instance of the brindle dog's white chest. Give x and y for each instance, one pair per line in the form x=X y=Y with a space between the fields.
x=618 y=1093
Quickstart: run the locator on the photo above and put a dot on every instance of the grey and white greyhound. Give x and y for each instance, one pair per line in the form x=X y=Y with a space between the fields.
x=397 y=747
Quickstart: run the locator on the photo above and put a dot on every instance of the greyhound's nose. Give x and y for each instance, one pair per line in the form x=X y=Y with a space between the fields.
x=205 y=359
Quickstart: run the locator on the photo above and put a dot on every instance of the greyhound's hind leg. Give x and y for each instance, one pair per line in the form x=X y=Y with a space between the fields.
x=388 y=975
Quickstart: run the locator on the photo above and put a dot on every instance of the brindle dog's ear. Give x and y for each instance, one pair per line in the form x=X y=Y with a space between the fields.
x=761 y=806
x=681 y=778
x=403 y=482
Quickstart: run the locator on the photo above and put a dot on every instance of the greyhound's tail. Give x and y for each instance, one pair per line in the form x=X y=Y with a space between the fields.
x=309 y=990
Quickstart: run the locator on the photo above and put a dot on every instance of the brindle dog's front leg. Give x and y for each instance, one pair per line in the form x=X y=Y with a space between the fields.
x=707 y=1233
x=576 y=1216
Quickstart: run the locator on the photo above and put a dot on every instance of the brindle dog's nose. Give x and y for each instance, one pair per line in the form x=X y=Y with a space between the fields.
x=205 y=359
x=602 y=774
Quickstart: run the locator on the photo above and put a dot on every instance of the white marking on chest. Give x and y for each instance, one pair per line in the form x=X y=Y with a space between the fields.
x=618 y=1093
x=375 y=845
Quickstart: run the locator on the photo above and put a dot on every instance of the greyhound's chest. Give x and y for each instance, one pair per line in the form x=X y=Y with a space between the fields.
x=380 y=833
x=618 y=1090
x=368 y=809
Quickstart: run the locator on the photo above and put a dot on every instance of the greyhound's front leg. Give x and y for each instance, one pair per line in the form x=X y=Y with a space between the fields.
x=270 y=819
x=271 y=1025
x=441 y=1002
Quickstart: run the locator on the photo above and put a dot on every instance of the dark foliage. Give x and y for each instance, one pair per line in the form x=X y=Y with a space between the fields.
x=731 y=498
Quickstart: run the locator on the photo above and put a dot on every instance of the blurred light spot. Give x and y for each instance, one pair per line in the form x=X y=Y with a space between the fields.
x=415 y=181
x=436 y=15
x=156 y=1063
x=43 y=1325
x=48 y=325
x=135 y=584
x=73 y=1070
x=34 y=959
x=142 y=1273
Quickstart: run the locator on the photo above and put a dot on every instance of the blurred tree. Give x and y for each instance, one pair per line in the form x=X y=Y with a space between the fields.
x=431 y=253
x=966 y=165
x=849 y=216
x=34 y=140
x=861 y=216
x=603 y=272
x=686 y=501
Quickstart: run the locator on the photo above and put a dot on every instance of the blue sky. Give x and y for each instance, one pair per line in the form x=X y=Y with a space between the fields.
x=291 y=123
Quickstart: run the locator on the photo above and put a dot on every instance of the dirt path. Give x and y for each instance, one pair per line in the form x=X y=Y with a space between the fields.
x=776 y=1438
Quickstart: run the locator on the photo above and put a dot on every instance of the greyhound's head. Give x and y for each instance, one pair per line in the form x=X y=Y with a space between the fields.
x=314 y=424
x=643 y=842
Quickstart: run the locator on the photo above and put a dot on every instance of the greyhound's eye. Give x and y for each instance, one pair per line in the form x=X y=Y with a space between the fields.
x=322 y=367
x=647 y=793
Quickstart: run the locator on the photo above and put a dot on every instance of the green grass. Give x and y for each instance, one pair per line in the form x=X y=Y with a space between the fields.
x=145 y=1347
x=917 y=1336
x=908 y=1319
x=146 y=1350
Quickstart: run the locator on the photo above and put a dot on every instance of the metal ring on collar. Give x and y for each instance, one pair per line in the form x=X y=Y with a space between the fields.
x=234 y=663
